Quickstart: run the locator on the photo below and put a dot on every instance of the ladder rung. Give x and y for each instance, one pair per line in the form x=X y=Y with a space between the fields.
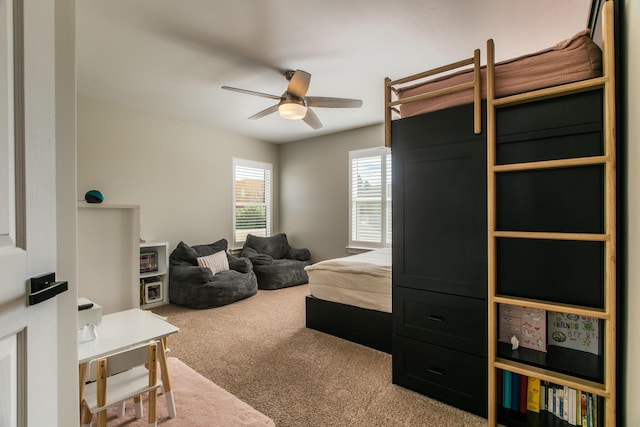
x=551 y=92
x=585 y=237
x=598 y=313
x=551 y=164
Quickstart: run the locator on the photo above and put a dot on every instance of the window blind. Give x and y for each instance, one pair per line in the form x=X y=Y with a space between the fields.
x=252 y=199
x=370 y=197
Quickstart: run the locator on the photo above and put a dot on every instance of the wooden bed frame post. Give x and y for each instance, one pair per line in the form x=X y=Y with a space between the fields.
x=610 y=210
x=387 y=112
x=491 y=224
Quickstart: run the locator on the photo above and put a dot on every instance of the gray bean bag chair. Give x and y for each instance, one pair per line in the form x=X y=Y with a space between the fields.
x=195 y=286
x=276 y=264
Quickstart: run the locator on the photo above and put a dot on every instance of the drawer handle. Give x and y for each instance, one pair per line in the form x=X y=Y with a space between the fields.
x=435 y=318
x=435 y=371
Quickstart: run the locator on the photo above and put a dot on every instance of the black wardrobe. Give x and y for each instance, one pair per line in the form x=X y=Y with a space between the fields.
x=440 y=234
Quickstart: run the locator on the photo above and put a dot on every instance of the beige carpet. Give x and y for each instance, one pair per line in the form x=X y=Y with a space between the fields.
x=260 y=350
x=199 y=403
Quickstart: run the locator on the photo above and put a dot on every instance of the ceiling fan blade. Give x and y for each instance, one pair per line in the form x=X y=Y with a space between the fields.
x=322 y=101
x=265 y=112
x=299 y=84
x=251 y=92
x=312 y=120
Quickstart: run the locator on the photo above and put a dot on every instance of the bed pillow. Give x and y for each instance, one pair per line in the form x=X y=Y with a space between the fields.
x=216 y=262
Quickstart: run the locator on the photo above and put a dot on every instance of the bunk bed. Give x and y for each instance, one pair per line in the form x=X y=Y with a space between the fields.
x=350 y=297
x=494 y=147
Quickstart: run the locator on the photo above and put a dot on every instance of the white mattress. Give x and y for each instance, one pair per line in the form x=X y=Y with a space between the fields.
x=362 y=280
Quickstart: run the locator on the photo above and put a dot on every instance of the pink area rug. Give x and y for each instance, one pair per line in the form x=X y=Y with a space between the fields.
x=199 y=402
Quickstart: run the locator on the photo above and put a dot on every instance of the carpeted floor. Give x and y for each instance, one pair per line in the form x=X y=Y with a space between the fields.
x=199 y=403
x=260 y=350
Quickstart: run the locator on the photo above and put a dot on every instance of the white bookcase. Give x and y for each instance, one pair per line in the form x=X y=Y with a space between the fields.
x=154 y=285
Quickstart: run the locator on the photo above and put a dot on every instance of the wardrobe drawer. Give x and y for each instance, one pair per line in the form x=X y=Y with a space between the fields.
x=456 y=378
x=447 y=320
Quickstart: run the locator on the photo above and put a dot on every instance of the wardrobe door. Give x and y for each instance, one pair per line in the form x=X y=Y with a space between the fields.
x=440 y=217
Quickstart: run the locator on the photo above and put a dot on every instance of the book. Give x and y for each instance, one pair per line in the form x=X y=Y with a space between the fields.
x=589 y=410
x=574 y=331
x=524 y=386
x=578 y=408
x=565 y=403
x=583 y=408
x=533 y=394
x=499 y=382
x=559 y=402
x=572 y=407
x=528 y=325
x=506 y=389
x=515 y=391
x=543 y=395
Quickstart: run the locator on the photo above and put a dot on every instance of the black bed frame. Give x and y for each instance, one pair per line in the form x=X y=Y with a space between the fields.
x=371 y=328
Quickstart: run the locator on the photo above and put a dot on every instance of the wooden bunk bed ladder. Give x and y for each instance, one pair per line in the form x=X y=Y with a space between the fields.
x=606 y=389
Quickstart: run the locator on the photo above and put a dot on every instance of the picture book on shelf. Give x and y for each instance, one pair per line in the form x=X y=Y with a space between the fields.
x=574 y=331
x=528 y=325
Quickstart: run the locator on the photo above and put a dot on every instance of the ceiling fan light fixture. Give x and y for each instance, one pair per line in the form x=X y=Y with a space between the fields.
x=292 y=110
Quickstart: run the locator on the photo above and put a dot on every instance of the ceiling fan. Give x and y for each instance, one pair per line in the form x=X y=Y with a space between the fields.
x=294 y=105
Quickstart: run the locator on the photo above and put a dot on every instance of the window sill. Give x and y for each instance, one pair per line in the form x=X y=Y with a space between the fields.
x=358 y=249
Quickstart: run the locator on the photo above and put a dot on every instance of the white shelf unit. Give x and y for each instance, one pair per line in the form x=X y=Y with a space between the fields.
x=160 y=276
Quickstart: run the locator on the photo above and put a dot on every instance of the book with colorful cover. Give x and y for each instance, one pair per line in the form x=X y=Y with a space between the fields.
x=527 y=324
x=533 y=394
x=574 y=331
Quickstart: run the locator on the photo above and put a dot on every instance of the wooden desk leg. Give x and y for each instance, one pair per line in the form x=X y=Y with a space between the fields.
x=82 y=374
x=166 y=384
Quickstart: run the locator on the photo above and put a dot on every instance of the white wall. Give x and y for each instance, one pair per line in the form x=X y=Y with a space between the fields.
x=631 y=333
x=314 y=189
x=179 y=173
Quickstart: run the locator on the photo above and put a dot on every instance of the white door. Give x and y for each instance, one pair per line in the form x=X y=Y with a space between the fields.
x=28 y=334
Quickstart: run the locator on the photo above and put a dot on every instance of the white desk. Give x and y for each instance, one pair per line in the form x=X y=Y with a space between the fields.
x=125 y=329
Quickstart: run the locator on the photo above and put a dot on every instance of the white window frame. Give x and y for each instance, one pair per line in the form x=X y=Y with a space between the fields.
x=268 y=168
x=385 y=198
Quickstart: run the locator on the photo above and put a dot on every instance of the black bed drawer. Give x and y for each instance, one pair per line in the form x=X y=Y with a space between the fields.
x=453 y=377
x=450 y=321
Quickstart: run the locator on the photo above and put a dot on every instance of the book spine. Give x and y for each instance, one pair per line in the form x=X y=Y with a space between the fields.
x=515 y=392
x=565 y=403
x=533 y=394
x=543 y=395
x=506 y=389
x=524 y=386
x=583 y=408
x=499 y=382
x=572 y=406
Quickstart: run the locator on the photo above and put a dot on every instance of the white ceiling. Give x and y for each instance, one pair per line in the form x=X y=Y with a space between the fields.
x=171 y=57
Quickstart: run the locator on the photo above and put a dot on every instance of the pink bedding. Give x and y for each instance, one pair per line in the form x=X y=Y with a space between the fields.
x=574 y=59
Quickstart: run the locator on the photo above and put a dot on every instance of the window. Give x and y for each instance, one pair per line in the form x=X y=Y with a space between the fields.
x=251 y=199
x=370 y=198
